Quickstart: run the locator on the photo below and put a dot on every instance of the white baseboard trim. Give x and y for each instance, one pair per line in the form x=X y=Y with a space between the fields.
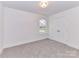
x=24 y=42
x=65 y=42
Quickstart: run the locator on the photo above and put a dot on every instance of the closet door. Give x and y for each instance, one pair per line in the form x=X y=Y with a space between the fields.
x=58 y=29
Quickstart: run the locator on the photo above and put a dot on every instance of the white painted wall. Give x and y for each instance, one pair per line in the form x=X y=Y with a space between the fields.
x=68 y=24
x=1 y=27
x=20 y=27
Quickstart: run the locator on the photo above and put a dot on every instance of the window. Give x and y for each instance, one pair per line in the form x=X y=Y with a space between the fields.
x=43 y=26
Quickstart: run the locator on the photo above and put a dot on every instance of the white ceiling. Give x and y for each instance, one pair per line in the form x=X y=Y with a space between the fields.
x=33 y=6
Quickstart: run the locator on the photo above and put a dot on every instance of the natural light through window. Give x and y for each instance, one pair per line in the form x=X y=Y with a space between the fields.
x=43 y=26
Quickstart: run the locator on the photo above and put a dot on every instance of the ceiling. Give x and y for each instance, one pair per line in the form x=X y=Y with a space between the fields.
x=33 y=6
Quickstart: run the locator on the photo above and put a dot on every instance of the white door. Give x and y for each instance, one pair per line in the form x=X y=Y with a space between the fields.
x=58 y=29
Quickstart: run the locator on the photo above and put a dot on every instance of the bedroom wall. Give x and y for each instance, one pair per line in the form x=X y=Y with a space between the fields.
x=64 y=27
x=1 y=26
x=21 y=27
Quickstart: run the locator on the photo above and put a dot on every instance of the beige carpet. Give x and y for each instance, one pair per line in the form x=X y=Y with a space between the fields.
x=41 y=49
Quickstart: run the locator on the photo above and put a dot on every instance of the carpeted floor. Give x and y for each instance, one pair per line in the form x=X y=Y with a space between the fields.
x=41 y=49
